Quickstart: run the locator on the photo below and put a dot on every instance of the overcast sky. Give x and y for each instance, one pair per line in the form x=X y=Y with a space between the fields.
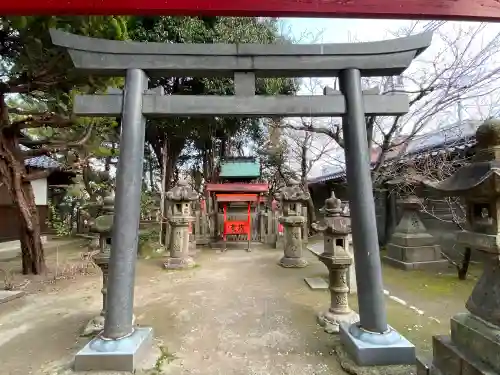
x=305 y=30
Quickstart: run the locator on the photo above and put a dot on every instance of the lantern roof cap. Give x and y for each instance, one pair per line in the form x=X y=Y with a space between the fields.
x=293 y=192
x=182 y=192
x=333 y=205
x=480 y=178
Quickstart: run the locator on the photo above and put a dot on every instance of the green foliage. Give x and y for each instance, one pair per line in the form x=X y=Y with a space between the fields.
x=217 y=134
x=56 y=222
x=148 y=203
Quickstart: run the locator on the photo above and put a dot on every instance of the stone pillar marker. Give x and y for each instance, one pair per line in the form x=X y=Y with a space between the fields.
x=336 y=228
x=291 y=198
x=474 y=344
x=181 y=197
x=411 y=246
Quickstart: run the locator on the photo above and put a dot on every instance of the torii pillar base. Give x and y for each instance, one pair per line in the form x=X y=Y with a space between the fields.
x=375 y=349
x=124 y=354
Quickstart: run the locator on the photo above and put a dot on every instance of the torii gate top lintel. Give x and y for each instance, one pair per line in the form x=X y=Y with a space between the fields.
x=108 y=57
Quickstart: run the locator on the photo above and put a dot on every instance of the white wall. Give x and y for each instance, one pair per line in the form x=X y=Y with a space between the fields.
x=40 y=190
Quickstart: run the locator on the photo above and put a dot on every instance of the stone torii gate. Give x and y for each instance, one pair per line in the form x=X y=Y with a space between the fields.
x=372 y=341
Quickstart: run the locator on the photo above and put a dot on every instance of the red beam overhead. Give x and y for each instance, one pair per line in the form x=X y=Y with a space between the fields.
x=237 y=197
x=478 y=10
x=238 y=188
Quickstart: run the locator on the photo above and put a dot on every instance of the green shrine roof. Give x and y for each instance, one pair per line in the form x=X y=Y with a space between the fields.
x=240 y=167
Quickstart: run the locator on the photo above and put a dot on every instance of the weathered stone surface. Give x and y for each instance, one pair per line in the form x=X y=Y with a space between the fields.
x=316 y=283
x=181 y=197
x=336 y=227
x=331 y=322
x=411 y=246
x=291 y=199
x=484 y=301
x=474 y=345
x=476 y=338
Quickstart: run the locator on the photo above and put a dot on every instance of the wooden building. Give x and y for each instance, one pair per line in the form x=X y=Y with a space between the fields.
x=42 y=189
x=456 y=140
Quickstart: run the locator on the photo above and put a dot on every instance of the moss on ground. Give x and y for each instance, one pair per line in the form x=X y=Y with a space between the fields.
x=431 y=284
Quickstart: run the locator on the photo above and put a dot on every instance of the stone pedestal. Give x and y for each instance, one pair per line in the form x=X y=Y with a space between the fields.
x=292 y=257
x=179 y=245
x=411 y=246
x=473 y=348
x=180 y=198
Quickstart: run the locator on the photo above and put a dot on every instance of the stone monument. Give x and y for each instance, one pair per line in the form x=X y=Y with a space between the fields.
x=291 y=198
x=181 y=197
x=336 y=228
x=474 y=344
x=411 y=246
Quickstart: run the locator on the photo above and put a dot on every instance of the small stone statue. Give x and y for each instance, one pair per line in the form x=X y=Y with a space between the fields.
x=291 y=199
x=181 y=198
x=336 y=228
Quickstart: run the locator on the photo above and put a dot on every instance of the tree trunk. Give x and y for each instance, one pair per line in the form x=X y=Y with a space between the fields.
x=172 y=152
x=12 y=173
x=33 y=257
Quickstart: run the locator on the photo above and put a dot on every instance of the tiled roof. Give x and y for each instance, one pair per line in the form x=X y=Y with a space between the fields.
x=42 y=162
x=446 y=139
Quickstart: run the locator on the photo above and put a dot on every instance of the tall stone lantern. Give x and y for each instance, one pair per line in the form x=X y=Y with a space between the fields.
x=291 y=198
x=181 y=198
x=103 y=225
x=474 y=344
x=336 y=227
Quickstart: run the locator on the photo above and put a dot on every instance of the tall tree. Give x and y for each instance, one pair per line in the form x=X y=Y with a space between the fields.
x=42 y=77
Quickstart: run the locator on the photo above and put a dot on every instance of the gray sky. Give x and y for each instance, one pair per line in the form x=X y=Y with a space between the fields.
x=350 y=30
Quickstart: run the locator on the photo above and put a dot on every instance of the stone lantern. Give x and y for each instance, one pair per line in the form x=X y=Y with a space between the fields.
x=336 y=228
x=411 y=246
x=474 y=345
x=181 y=198
x=103 y=225
x=291 y=199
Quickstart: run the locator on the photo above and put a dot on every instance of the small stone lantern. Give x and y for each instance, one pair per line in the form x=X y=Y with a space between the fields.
x=291 y=199
x=336 y=228
x=103 y=225
x=181 y=198
x=474 y=345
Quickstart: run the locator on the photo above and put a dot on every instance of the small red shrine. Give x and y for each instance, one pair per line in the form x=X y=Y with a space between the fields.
x=238 y=189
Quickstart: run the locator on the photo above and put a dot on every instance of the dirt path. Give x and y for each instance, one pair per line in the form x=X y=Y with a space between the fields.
x=238 y=313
